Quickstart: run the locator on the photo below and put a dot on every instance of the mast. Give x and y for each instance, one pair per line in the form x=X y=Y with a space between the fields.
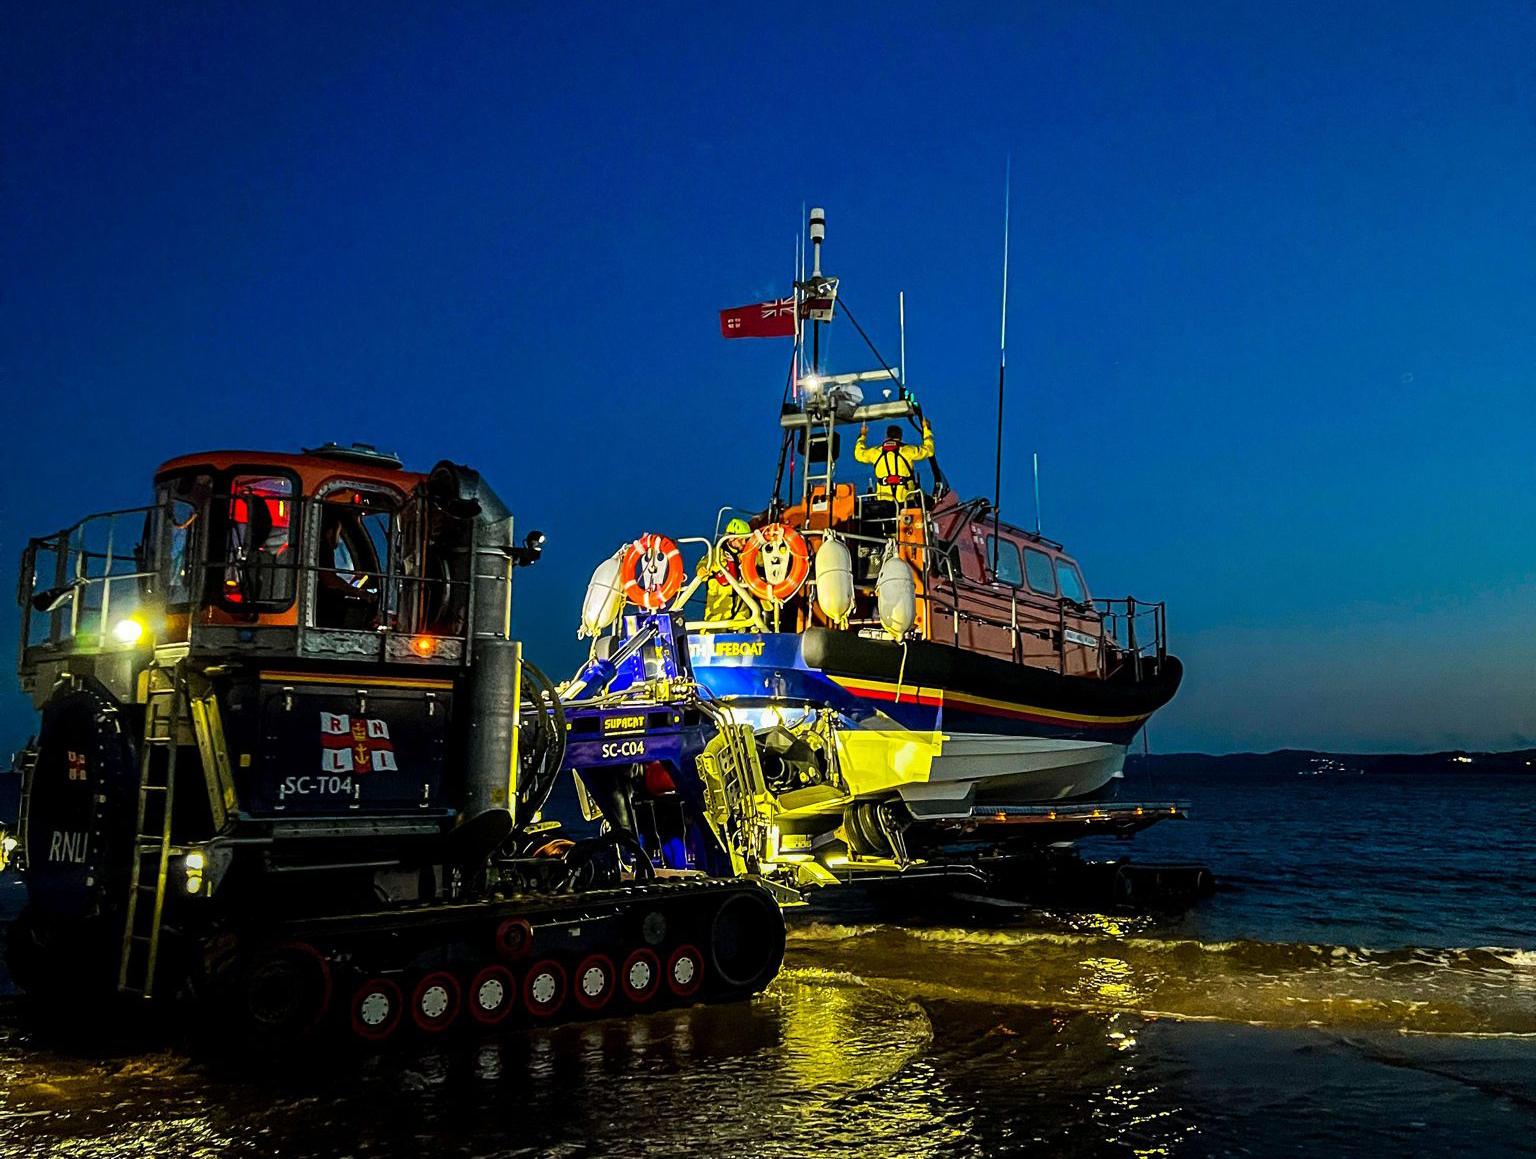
x=1002 y=370
x=818 y=235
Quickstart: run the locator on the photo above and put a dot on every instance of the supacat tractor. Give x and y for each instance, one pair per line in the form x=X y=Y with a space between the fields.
x=290 y=766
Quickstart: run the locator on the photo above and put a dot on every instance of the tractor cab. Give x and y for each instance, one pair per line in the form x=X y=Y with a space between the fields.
x=285 y=653
x=335 y=555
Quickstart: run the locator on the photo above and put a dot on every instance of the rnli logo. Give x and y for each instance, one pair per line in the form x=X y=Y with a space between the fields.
x=355 y=744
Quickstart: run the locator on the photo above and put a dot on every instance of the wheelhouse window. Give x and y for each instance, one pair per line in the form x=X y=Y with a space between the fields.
x=259 y=572
x=1071 y=581
x=1038 y=570
x=352 y=555
x=1006 y=552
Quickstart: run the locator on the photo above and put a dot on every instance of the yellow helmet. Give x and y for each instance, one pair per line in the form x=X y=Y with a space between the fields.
x=738 y=527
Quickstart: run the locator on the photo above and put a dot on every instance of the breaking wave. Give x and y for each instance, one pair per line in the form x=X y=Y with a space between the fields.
x=1113 y=966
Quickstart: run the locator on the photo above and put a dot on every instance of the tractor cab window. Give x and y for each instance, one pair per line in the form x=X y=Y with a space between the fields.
x=181 y=503
x=432 y=570
x=259 y=573
x=351 y=557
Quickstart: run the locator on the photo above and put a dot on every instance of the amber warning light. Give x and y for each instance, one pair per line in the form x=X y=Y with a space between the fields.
x=423 y=645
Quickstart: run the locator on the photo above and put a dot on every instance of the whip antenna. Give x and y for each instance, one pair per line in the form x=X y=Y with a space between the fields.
x=1002 y=370
x=1037 y=493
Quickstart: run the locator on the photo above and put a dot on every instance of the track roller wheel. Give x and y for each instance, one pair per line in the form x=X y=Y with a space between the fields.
x=283 y=992
x=492 y=994
x=685 y=971
x=436 y=1000
x=544 y=988
x=595 y=981
x=514 y=938
x=376 y=1009
x=746 y=941
x=641 y=976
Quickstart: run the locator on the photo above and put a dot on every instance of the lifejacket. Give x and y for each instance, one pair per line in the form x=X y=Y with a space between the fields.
x=892 y=468
x=732 y=566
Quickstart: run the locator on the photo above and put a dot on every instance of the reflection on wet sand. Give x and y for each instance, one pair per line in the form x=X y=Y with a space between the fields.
x=822 y=1063
x=874 y=1042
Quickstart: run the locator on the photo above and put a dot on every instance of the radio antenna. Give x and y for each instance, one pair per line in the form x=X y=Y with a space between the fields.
x=818 y=233
x=1002 y=370
x=1037 y=493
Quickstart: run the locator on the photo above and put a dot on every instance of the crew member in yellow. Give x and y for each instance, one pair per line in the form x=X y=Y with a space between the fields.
x=721 y=603
x=894 y=477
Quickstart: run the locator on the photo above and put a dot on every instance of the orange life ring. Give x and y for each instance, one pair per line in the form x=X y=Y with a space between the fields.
x=799 y=563
x=629 y=572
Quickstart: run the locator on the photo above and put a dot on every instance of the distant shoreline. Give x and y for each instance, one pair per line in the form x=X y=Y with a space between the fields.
x=1455 y=762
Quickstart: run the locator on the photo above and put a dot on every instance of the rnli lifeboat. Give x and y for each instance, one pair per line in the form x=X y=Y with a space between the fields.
x=952 y=661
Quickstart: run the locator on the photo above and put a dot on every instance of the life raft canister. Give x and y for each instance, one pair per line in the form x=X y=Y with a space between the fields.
x=648 y=547
x=764 y=556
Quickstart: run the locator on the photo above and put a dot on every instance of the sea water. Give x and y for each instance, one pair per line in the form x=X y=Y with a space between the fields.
x=1364 y=982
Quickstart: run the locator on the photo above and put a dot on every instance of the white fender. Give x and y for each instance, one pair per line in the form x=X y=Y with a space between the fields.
x=896 y=595
x=834 y=580
x=604 y=599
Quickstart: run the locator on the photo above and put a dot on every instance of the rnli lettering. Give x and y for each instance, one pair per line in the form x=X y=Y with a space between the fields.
x=739 y=648
x=622 y=749
x=623 y=723
x=67 y=847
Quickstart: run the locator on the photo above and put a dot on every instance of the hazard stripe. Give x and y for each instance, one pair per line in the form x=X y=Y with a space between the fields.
x=883 y=691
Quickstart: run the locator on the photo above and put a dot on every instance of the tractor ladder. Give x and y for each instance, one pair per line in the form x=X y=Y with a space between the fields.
x=165 y=715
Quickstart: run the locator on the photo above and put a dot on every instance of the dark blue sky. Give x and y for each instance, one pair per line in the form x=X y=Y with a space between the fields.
x=1272 y=326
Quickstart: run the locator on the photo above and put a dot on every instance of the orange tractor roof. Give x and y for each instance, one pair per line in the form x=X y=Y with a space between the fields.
x=313 y=468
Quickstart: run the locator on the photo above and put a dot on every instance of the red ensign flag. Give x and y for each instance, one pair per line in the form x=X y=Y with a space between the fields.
x=760 y=320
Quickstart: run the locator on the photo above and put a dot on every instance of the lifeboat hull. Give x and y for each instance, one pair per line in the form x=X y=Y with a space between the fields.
x=1003 y=733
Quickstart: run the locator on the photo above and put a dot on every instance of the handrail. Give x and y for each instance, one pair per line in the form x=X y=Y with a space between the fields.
x=91 y=564
x=1121 y=618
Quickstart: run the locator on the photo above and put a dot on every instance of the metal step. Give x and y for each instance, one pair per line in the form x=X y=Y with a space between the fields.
x=139 y=952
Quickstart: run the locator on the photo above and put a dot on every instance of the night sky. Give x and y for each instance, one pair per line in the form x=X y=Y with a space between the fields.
x=1272 y=316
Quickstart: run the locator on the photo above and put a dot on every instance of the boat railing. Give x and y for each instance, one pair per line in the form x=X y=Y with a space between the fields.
x=1138 y=629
